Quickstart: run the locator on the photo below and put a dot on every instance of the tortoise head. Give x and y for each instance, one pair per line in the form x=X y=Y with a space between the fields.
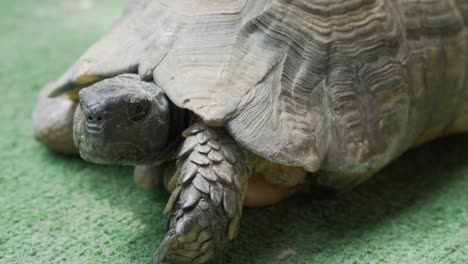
x=122 y=120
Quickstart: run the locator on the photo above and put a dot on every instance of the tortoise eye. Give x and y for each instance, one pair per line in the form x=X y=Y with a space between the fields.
x=138 y=110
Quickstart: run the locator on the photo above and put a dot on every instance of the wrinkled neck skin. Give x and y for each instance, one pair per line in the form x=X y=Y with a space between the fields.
x=180 y=119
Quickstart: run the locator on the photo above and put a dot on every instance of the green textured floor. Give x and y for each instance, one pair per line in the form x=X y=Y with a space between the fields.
x=55 y=209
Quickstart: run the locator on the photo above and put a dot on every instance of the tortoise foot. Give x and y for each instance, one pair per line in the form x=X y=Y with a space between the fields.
x=52 y=122
x=195 y=235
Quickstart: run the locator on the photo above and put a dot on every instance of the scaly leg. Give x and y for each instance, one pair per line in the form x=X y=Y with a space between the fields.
x=206 y=205
x=53 y=122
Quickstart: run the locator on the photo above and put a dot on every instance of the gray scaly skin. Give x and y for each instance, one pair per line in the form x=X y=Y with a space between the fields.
x=205 y=207
x=124 y=120
x=206 y=204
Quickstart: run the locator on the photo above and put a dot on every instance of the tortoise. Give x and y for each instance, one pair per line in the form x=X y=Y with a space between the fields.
x=245 y=102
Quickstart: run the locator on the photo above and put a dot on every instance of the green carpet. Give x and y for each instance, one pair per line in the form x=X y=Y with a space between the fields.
x=55 y=209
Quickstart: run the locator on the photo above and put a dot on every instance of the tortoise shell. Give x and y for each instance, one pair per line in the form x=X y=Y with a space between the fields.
x=340 y=86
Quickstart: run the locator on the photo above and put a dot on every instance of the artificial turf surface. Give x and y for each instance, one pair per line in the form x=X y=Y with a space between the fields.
x=56 y=209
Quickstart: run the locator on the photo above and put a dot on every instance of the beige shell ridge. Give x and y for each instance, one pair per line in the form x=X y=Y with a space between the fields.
x=341 y=86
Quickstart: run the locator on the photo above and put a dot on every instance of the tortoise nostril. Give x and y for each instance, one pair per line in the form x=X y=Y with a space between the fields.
x=93 y=117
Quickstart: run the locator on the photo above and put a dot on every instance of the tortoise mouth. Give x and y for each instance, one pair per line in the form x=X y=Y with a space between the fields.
x=121 y=153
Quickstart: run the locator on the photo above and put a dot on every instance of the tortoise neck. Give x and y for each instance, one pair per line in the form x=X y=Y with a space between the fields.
x=179 y=120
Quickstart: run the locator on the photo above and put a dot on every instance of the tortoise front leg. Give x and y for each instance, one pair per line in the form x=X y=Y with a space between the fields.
x=149 y=177
x=206 y=205
x=53 y=122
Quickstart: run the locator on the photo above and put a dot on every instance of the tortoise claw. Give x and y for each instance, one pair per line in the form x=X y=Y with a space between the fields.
x=161 y=252
x=194 y=237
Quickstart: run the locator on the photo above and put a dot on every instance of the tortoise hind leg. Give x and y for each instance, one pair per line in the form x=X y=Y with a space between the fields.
x=206 y=205
x=52 y=122
x=261 y=192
